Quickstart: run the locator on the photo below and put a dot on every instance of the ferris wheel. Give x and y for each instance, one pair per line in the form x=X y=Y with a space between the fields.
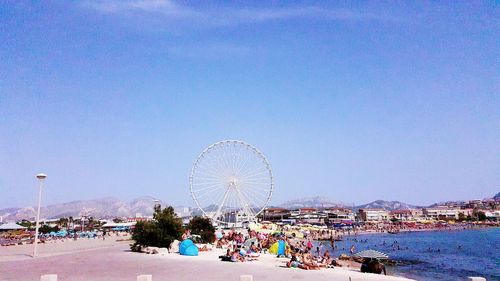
x=231 y=182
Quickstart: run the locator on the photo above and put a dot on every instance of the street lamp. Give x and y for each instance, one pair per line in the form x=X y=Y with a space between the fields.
x=157 y=203
x=41 y=177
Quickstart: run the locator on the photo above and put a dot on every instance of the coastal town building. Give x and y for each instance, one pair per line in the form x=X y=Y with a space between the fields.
x=274 y=214
x=308 y=215
x=374 y=215
x=338 y=215
x=406 y=215
x=441 y=213
x=493 y=215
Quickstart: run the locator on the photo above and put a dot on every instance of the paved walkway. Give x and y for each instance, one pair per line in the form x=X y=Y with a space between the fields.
x=113 y=261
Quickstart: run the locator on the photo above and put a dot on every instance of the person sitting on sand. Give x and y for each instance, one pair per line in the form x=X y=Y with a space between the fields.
x=236 y=257
x=204 y=248
x=295 y=263
x=373 y=266
x=186 y=234
x=327 y=259
x=308 y=261
x=227 y=256
x=254 y=248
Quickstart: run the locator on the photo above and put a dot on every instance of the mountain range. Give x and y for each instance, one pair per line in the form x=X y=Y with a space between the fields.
x=108 y=207
x=111 y=207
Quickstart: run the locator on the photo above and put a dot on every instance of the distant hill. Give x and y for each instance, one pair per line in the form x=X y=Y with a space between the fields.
x=100 y=208
x=497 y=197
x=312 y=202
x=111 y=207
x=387 y=205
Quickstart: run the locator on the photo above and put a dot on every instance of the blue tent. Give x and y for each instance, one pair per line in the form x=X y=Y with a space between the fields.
x=188 y=248
x=281 y=247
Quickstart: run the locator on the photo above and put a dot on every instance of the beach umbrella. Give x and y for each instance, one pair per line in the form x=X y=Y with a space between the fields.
x=371 y=254
x=11 y=226
x=249 y=241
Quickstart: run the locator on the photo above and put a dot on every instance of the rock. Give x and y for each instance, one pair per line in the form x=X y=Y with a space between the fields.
x=174 y=247
x=344 y=257
x=163 y=251
x=150 y=250
x=357 y=259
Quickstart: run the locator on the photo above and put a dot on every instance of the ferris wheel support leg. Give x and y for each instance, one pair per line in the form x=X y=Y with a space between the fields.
x=244 y=203
x=217 y=214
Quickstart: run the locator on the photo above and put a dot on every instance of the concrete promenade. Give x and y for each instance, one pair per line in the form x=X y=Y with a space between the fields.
x=96 y=260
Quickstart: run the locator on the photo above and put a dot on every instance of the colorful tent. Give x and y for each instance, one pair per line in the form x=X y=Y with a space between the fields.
x=188 y=248
x=278 y=248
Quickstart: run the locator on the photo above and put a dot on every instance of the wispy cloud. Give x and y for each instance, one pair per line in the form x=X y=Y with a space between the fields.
x=159 y=7
x=209 y=51
x=169 y=11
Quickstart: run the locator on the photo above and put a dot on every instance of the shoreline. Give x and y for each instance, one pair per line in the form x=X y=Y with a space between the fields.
x=364 y=232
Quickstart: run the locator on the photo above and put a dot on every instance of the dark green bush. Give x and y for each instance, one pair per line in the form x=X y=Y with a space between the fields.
x=203 y=227
x=47 y=229
x=160 y=232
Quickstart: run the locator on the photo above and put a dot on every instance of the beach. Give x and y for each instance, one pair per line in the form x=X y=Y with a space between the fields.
x=111 y=259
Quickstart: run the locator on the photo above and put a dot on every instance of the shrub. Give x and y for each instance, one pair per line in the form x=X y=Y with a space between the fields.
x=161 y=232
x=47 y=229
x=203 y=227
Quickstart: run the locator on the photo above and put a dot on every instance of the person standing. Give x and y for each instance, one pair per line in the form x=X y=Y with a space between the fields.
x=309 y=245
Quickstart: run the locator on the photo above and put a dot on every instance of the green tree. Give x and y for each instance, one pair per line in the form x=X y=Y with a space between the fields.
x=481 y=216
x=145 y=233
x=25 y=223
x=160 y=232
x=63 y=222
x=203 y=227
x=47 y=229
x=461 y=217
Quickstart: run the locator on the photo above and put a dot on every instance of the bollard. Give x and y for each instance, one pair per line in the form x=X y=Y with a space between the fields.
x=48 y=277
x=355 y=279
x=476 y=279
x=246 y=278
x=144 y=277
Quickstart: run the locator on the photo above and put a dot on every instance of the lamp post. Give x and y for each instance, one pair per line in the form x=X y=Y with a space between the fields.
x=157 y=203
x=41 y=177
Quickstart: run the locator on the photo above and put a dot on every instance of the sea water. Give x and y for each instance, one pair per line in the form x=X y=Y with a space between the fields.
x=433 y=255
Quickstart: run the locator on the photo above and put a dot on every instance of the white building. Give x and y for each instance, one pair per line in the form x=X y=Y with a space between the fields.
x=438 y=213
x=374 y=215
x=406 y=215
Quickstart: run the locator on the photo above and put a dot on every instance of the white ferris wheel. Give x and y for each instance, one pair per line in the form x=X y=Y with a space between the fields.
x=231 y=182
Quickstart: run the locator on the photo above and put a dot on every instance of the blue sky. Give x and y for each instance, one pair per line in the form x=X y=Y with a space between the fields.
x=350 y=101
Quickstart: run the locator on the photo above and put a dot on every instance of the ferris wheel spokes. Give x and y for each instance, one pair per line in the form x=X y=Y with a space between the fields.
x=231 y=181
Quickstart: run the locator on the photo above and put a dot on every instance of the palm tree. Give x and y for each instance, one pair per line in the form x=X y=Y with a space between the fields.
x=63 y=223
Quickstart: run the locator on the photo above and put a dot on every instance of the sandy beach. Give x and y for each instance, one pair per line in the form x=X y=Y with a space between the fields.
x=92 y=259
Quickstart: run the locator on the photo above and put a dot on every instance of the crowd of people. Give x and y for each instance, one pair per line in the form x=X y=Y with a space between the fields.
x=28 y=237
x=302 y=253
x=242 y=247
